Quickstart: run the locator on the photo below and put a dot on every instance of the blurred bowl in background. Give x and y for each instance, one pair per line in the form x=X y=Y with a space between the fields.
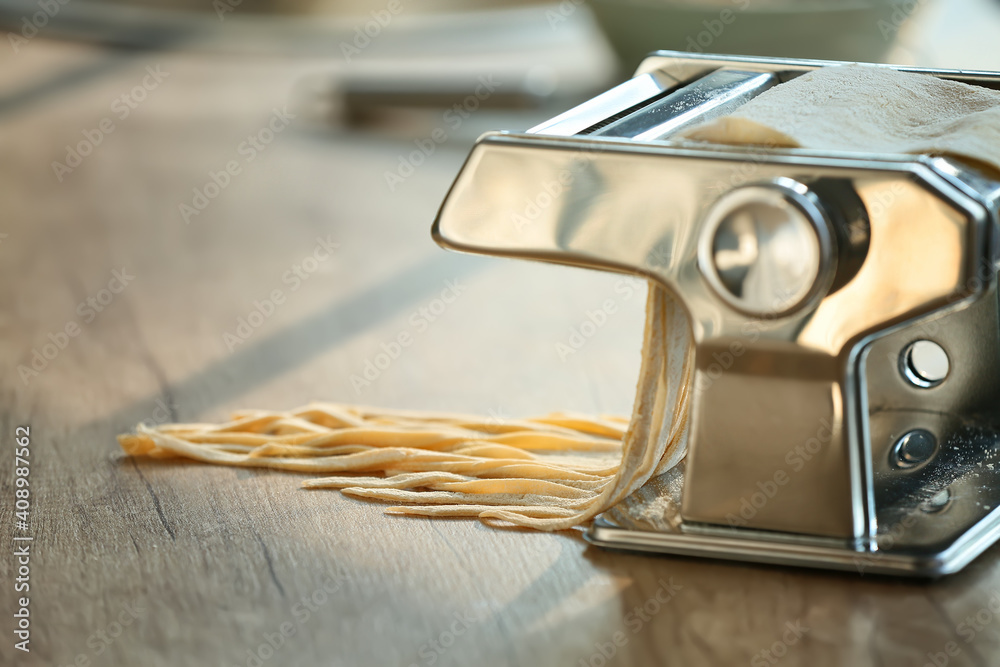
x=853 y=30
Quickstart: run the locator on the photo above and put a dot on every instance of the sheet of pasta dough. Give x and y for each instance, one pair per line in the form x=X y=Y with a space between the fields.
x=867 y=108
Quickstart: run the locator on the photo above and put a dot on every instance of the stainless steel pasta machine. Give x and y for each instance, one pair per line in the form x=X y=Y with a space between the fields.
x=844 y=307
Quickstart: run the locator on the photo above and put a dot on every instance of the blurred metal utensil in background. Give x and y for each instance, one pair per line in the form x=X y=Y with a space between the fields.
x=374 y=59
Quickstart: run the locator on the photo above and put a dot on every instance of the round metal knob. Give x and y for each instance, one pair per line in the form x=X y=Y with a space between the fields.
x=767 y=249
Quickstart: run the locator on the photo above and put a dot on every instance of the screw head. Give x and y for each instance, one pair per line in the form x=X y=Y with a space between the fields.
x=939 y=502
x=913 y=449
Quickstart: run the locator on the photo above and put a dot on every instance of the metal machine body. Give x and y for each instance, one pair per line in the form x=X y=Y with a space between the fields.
x=844 y=308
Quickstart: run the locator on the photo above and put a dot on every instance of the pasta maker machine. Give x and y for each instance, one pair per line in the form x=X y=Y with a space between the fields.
x=844 y=308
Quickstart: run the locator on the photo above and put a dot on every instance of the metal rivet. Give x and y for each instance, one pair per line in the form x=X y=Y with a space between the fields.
x=913 y=449
x=925 y=364
x=939 y=502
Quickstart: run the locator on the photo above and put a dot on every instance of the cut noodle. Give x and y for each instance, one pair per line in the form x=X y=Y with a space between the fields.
x=550 y=473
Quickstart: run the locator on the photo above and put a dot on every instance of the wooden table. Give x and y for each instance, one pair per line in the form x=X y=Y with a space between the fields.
x=137 y=562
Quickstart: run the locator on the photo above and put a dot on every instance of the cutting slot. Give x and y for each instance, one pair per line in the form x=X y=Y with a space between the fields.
x=716 y=94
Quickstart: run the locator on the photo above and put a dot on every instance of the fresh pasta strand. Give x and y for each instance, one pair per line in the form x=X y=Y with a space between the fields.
x=548 y=473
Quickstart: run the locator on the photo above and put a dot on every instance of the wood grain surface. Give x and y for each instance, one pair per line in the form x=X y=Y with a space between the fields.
x=138 y=562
